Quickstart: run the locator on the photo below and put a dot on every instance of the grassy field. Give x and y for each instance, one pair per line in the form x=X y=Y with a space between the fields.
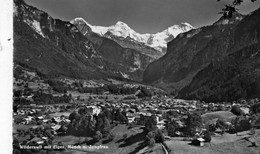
x=131 y=145
x=224 y=115
x=86 y=96
x=226 y=144
x=59 y=114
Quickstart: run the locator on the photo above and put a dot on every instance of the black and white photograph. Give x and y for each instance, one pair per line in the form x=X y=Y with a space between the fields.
x=133 y=77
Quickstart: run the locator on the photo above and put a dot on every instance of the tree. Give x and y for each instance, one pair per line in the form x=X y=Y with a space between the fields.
x=73 y=116
x=221 y=124
x=255 y=108
x=236 y=110
x=144 y=92
x=207 y=136
x=151 y=142
x=159 y=137
x=230 y=9
x=155 y=136
x=82 y=111
x=193 y=122
x=106 y=113
x=150 y=135
x=81 y=124
x=98 y=136
x=171 y=127
x=62 y=130
x=255 y=120
x=119 y=116
x=241 y=124
x=150 y=123
x=106 y=128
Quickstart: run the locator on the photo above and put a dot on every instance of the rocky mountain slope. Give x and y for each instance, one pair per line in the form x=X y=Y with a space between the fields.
x=129 y=62
x=238 y=74
x=57 y=48
x=52 y=47
x=217 y=52
x=190 y=52
x=151 y=44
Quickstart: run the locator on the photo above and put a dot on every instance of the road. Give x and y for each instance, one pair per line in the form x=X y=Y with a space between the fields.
x=165 y=150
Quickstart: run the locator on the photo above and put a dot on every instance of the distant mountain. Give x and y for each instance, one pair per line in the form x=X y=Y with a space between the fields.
x=127 y=37
x=57 y=48
x=194 y=50
x=128 y=62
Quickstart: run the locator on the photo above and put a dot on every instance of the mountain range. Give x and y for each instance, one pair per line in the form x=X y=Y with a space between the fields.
x=57 y=48
x=123 y=34
x=214 y=63
x=218 y=62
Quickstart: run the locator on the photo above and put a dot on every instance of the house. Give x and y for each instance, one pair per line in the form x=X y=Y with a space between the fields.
x=56 y=120
x=180 y=123
x=45 y=120
x=21 y=112
x=40 y=117
x=94 y=110
x=28 y=120
x=56 y=127
x=128 y=114
x=160 y=124
x=198 y=141
x=131 y=110
x=37 y=140
x=245 y=110
x=131 y=119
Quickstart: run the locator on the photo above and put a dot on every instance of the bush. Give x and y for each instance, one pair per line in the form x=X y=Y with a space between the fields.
x=255 y=120
x=221 y=124
x=171 y=128
x=144 y=92
x=150 y=124
x=97 y=136
x=57 y=86
x=159 y=137
x=241 y=124
x=236 y=110
x=150 y=135
x=255 y=108
x=207 y=136
x=151 y=142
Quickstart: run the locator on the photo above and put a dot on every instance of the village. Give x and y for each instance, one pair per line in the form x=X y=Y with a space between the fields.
x=135 y=113
x=55 y=115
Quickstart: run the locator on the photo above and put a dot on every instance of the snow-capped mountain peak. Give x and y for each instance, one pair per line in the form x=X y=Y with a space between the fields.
x=79 y=19
x=121 y=24
x=158 y=41
x=186 y=24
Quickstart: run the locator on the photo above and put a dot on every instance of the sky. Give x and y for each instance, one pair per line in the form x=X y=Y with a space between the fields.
x=144 y=16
